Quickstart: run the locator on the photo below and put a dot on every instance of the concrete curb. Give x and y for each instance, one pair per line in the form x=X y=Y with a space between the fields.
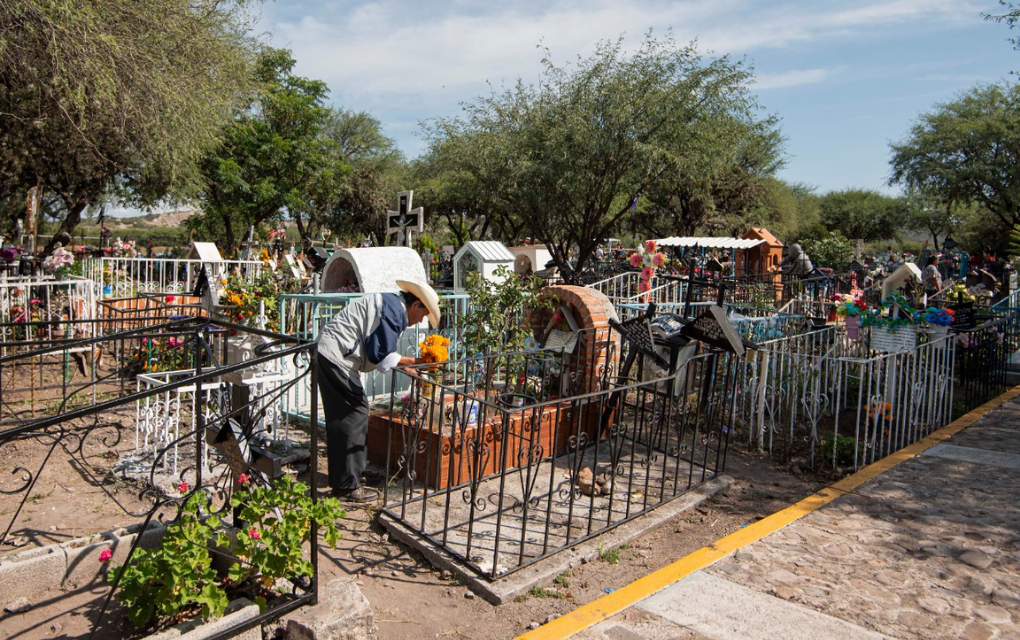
x=70 y=564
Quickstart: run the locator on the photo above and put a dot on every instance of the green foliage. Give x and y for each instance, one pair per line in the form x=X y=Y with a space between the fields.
x=831 y=250
x=862 y=214
x=497 y=319
x=115 y=95
x=842 y=449
x=272 y=157
x=967 y=152
x=540 y=592
x=279 y=520
x=612 y=556
x=160 y=583
x=563 y=161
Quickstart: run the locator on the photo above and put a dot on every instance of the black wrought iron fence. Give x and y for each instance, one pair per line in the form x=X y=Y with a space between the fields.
x=499 y=477
x=168 y=427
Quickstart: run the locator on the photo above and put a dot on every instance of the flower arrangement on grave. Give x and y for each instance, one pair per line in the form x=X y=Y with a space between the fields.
x=882 y=316
x=58 y=262
x=163 y=353
x=957 y=292
x=850 y=304
x=9 y=254
x=243 y=297
x=277 y=234
x=648 y=260
x=434 y=349
x=121 y=249
x=176 y=579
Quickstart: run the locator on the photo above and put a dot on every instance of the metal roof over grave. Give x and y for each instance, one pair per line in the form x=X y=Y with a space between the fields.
x=483 y=256
x=709 y=243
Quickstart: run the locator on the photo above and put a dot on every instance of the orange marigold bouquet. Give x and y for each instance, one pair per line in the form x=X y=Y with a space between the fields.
x=434 y=349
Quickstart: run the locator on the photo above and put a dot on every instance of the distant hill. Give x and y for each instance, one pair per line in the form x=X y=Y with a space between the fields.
x=172 y=219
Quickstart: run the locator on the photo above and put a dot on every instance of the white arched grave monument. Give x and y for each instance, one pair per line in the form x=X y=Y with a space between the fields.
x=371 y=269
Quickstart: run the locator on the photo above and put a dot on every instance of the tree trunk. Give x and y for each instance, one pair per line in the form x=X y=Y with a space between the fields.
x=68 y=226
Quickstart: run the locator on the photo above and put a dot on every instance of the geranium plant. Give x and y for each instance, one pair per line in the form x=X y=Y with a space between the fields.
x=243 y=297
x=177 y=577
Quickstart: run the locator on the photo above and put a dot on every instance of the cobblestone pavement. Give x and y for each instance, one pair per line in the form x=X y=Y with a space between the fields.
x=929 y=549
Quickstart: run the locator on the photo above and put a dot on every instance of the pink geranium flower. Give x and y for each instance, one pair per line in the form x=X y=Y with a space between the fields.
x=244 y=478
x=253 y=533
x=183 y=488
x=105 y=555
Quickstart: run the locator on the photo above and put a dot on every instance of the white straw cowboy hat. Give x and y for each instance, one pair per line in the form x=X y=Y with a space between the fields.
x=427 y=295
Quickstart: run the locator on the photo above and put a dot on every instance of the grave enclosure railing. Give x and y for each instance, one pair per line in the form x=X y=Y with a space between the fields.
x=86 y=422
x=125 y=276
x=497 y=475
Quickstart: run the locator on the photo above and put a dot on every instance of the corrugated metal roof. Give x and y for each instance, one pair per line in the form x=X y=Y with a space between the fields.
x=488 y=250
x=709 y=243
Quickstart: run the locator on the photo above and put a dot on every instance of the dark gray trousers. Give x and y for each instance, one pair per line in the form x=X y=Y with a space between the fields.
x=346 y=409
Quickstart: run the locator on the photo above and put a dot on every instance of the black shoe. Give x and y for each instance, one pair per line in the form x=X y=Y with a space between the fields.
x=361 y=494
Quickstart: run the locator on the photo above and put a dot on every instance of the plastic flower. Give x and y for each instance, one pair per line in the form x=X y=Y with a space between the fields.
x=644 y=286
x=658 y=259
x=530 y=343
x=105 y=555
x=650 y=246
x=647 y=273
x=635 y=260
x=170 y=299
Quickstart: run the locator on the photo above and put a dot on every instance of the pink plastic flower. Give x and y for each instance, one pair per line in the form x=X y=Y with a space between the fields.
x=647 y=273
x=183 y=488
x=650 y=246
x=658 y=259
x=244 y=478
x=635 y=259
x=644 y=286
x=105 y=555
x=253 y=534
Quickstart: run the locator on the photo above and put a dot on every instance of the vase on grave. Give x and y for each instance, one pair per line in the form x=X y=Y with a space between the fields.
x=853 y=327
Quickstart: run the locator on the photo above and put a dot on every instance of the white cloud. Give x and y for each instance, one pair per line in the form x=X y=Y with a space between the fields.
x=385 y=50
x=792 y=78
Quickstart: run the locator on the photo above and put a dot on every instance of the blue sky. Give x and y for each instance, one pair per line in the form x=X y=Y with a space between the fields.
x=845 y=77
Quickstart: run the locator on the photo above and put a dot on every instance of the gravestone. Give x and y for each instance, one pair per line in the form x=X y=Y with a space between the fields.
x=714 y=328
x=963 y=315
x=405 y=219
x=638 y=332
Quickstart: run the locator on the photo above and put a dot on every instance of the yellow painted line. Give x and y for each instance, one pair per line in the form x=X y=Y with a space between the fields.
x=598 y=610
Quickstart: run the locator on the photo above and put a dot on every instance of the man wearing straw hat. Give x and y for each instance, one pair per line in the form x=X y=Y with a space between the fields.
x=363 y=337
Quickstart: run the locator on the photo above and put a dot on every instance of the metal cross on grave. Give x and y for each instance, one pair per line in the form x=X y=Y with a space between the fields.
x=405 y=219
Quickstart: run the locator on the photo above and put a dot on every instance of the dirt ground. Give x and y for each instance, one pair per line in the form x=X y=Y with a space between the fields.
x=410 y=599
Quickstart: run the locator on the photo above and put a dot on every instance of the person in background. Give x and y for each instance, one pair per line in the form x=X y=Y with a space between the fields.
x=930 y=277
x=363 y=337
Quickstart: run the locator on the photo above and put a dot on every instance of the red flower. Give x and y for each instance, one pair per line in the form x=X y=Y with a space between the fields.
x=170 y=299
x=253 y=533
x=244 y=478
x=183 y=488
x=105 y=555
